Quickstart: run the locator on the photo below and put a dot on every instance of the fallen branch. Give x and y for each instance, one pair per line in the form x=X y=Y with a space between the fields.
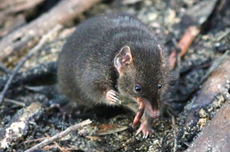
x=6 y=4
x=21 y=63
x=19 y=125
x=26 y=36
x=59 y=135
x=13 y=14
x=10 y=8
x=21 y=6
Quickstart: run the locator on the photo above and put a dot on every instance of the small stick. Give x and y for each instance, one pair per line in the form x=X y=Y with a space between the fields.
x=187 y=39
x=4 y=69
x=174 y=134
x=15 y=102
x=31 y=52
x=184 y=44
x=59 y=135
x=174 y=57
x=59 y=147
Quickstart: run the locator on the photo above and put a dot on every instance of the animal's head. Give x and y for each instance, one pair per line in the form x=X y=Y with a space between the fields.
x=141 y=76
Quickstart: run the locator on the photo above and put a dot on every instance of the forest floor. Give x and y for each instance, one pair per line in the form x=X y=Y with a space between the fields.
x=111 y=127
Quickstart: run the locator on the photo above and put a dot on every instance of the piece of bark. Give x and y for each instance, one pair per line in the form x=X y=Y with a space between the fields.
x=26 y=36
x=216 y=134
x=19 y=125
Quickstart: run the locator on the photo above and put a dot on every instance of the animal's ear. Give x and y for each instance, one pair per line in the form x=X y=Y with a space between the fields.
x=123 y=58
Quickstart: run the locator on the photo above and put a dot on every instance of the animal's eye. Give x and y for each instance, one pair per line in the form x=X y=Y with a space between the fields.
x=116 y=87
x=137 y=88
x=159 y=86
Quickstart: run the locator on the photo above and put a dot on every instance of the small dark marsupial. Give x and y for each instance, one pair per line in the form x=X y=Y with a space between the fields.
x=109 y=51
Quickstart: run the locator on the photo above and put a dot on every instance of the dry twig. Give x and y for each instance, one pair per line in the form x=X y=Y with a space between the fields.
x=59 y=135
x=15 y=102
x=184 y=44
x=174 y=134
x=59 y=147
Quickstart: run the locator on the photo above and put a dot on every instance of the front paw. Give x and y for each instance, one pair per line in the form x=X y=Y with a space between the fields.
x=112 y=97
x=146 y=129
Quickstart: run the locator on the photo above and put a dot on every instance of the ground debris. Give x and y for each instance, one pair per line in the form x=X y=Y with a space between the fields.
x=19 y=125
x=165 y=20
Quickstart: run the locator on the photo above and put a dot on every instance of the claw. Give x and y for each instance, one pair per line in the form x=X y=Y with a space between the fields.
x=112 y=97
x=146 y=129
x=146 y=135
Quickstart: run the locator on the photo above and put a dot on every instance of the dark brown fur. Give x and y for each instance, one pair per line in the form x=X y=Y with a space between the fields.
x=86 y=64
